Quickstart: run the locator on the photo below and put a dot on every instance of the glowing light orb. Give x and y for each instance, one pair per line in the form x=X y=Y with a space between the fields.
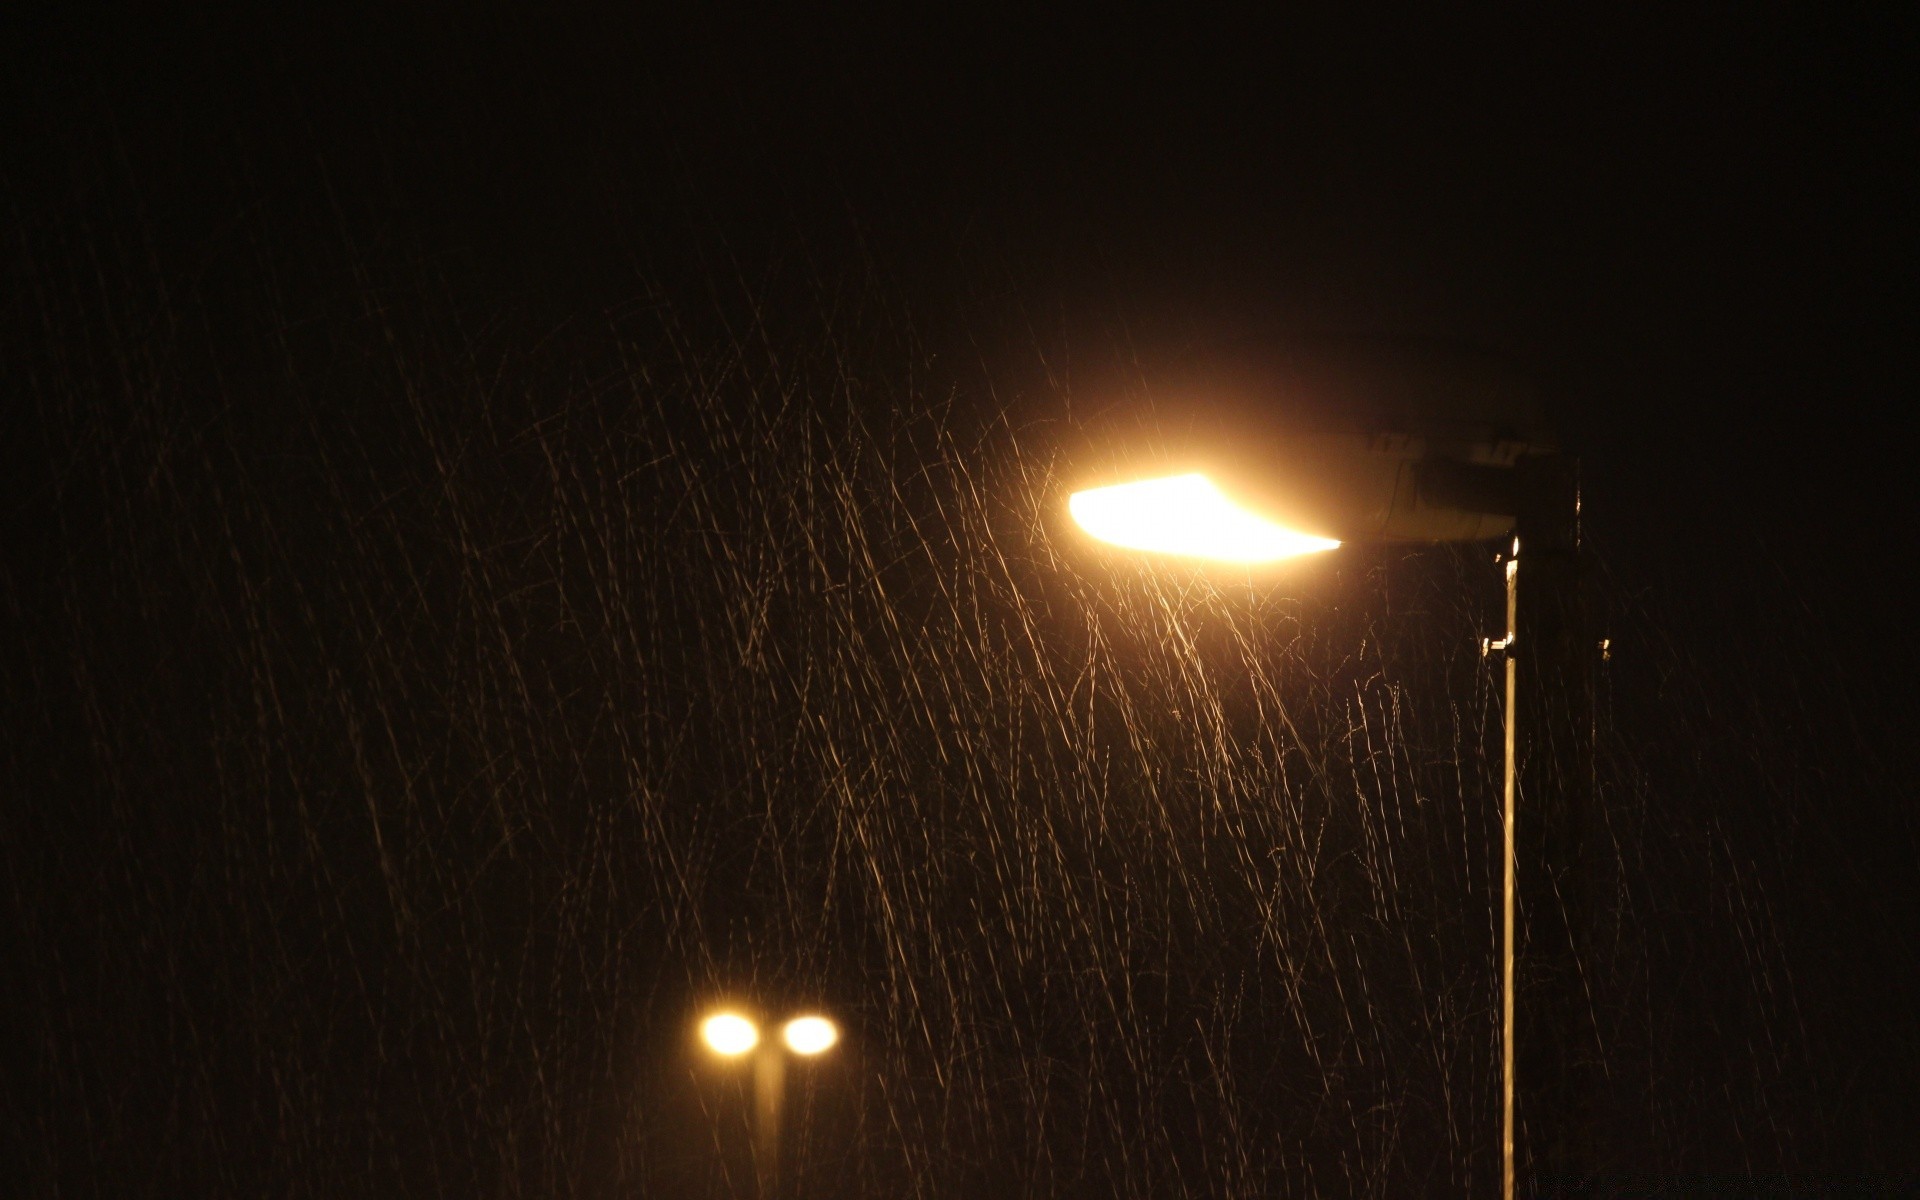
x=810 y=1035
x=1186 y=515
x=729 y=1034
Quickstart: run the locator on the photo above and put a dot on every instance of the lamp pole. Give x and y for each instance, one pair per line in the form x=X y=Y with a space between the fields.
x=769 y=1091
x=1510 y=865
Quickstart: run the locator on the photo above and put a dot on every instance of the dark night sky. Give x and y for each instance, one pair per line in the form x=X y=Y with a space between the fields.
x=1696 y=229
x=1696 y=226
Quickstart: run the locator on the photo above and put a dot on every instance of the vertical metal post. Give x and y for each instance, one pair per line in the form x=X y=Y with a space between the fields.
x=1510 y=864
x=1508 y=892
x=769 y=1089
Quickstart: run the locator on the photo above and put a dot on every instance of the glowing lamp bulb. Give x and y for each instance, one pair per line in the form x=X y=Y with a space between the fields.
x=729 y=1034
x=810 y=1035
x=1186 y=515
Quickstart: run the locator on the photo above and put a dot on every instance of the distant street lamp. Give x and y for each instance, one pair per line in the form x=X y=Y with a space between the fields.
x=1245 y=487
x=731 y=1035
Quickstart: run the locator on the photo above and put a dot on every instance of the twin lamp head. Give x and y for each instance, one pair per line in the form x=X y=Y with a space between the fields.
x=731 y=1034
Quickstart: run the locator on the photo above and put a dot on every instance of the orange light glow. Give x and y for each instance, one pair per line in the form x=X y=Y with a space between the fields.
x=729 y=1034
x=1187 y=515
x=810 y=1035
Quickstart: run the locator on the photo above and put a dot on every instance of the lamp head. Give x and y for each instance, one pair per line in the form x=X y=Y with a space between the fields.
x=810 y=1035
x=1187 y=515
x=729 y=1034
x=1290 y=451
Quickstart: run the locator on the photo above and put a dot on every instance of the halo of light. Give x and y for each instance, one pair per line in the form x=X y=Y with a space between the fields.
x=729 y=1034
x=810 y=1035
x=1186 y=515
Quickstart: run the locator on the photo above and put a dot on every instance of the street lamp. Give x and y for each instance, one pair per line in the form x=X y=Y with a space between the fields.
x=1239 y=482
x=731 y=1036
